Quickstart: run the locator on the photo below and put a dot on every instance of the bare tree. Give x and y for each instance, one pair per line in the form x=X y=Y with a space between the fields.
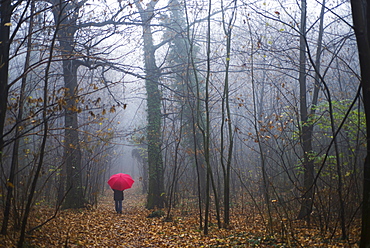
x=66 y=15
x=40 y=161
x=15 y=155
x=6 y=10
x=360 y=15
x=226 y=121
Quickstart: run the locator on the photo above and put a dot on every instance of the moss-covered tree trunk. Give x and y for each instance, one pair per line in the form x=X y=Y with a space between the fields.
x=154 y=118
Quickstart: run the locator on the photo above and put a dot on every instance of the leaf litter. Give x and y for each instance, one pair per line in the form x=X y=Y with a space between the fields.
x=102 y=227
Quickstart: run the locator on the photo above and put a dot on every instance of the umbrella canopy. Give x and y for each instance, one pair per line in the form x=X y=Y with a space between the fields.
x=120 y=181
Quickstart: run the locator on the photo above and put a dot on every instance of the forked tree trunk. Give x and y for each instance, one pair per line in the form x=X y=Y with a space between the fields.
x=226 y=119
x=66 y=15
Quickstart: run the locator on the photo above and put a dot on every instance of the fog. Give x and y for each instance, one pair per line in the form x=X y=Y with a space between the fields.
x=225 y=100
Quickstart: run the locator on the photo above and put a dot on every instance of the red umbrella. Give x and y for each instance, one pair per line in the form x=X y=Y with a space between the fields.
x=120 y=181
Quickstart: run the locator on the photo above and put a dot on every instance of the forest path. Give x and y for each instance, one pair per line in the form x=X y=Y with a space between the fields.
x=103 y=227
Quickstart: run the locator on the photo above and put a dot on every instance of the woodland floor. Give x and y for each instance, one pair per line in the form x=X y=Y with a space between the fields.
x=102 y=227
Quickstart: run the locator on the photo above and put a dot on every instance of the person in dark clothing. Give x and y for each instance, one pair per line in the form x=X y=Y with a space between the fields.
x=118 y=198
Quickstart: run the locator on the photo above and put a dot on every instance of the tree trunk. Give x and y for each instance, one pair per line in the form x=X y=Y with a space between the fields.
x=306 y=131
x=72 y=150
x=206 y=131
x=5 y=14
x=66 y=15
x=154 y=118
x=226 y=117
x=361 y=21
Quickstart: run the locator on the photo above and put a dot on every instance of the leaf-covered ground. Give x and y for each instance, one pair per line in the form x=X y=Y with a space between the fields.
x=102 y=227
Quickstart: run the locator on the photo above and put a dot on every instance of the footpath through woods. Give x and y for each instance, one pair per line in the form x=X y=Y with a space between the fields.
x=102 y=227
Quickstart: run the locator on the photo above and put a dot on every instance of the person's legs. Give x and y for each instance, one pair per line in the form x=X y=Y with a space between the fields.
x=119 y=207
x=116 y=205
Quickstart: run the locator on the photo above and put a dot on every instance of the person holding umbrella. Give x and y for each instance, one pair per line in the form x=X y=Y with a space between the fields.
x=119 y=182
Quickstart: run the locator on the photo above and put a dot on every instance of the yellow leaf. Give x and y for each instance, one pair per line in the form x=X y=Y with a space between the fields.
x=9 y=184
x=8 y=24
